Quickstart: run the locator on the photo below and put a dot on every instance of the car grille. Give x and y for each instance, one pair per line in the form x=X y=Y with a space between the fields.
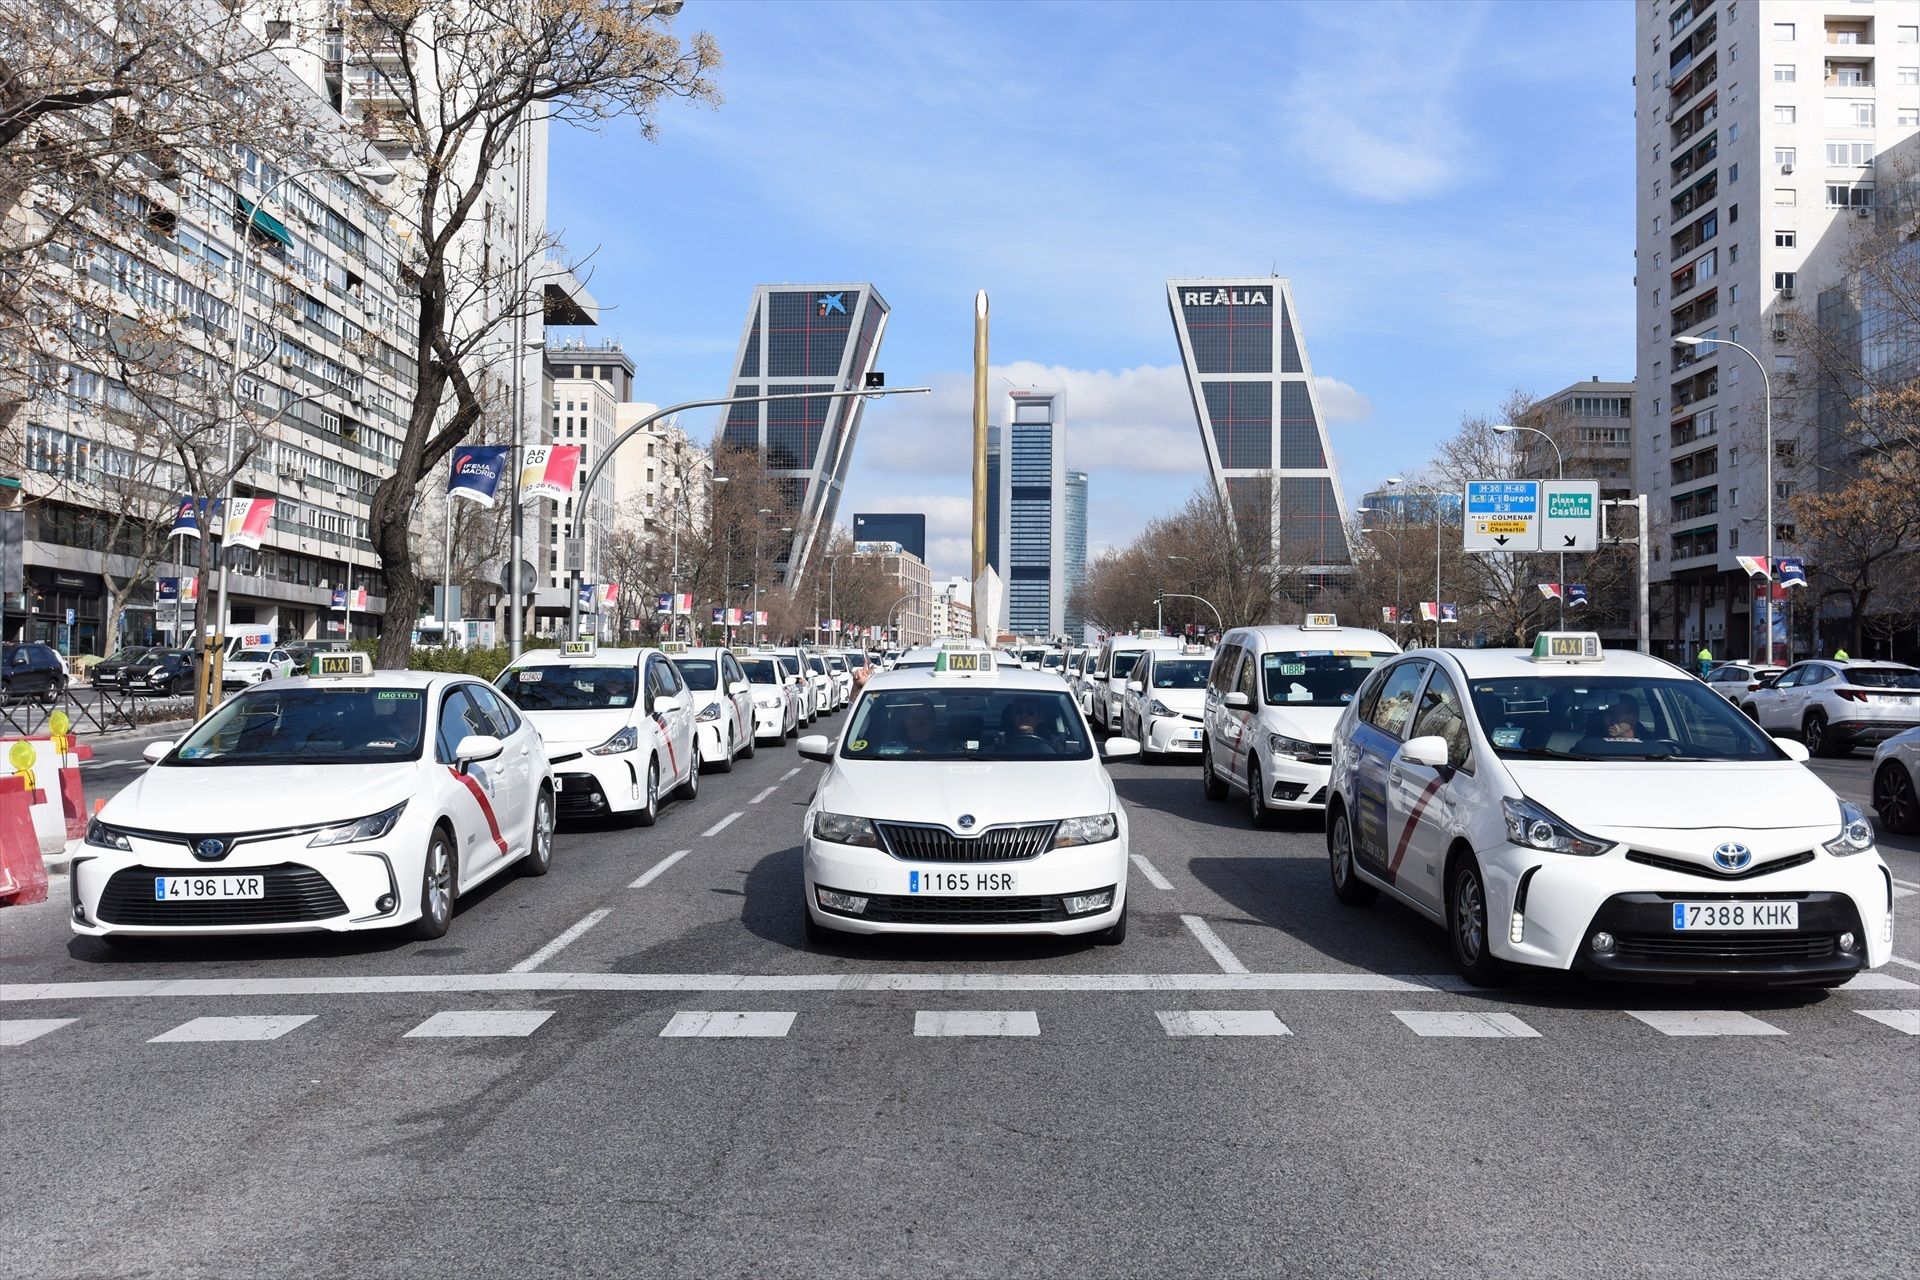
x=579 y=796
x=920 y=909
x=1686 y=868
x=915 y=843
x=1725 y=946
x=295 y=895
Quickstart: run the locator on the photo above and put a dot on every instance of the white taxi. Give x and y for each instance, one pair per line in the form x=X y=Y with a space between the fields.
x=813 y=689
x=965 y=799
x=1568 y=807
x=1167 y=701
x=722 y=705
x=254 y=666
x=1111 y=673
x=333 y=802
x=618 y=725
x=776 y=696
x=1272 y=699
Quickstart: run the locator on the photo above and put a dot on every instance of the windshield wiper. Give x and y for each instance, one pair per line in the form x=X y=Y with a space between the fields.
x=1542 y=753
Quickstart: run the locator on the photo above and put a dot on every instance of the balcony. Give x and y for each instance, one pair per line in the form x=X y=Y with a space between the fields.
x=1695 y=196
x=1692 y=390
x=1678 y=20
x=1851 y=73
x=1686 y=126
x=1850 y=31
x=1703 y=74
x=1696 y=466
x=1698 y=543
x=1687 y=239
x=1695 y=506
x=1690 y=50
x=1695 y=426
x=1690 y=161
x=1696 y=312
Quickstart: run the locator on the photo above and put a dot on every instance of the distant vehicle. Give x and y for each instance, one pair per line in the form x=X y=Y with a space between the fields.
x=252 y=666
x=1112 y=671
x=111 y=672
x=1836 y=704
x=776 y=696
x=1734 y=680
x=1167 y=701
x=842 y=674
x=722 y=705
x=813 y=704
x=31 y=672
x=163 y=671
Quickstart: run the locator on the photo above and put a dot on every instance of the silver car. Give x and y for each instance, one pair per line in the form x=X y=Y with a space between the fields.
x=1836 y=704
x=1735 y=680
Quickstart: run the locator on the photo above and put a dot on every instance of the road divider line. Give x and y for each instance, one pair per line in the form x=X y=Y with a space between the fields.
x=721 y=825
x=648 y=876
x=1898 y=960
x=561 y=943
x=1222 y=955
x=764 y=794
x=791 y=773
x=1151 y=872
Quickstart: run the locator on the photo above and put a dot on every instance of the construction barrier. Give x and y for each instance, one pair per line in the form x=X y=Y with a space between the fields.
x=49 y=765
x=23 y=875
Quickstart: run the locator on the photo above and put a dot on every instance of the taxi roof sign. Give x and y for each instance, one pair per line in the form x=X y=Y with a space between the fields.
x=968 y=662
x=339 y=666
x=1320 y=622
x=579 y=648
x=673 y=646
x=1567 y=646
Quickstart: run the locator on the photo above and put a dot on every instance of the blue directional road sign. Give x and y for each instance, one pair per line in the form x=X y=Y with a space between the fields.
x=1502 y=515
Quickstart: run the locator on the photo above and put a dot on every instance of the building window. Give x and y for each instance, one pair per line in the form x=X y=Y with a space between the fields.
x=1783 y=73
x=1733 y=174
x=1785 y=114
x=1910 y=75
x=1850 y=153
x=1862 y=115
x=1733 y=132
x=1783 y=196
x=1784 y=155
x=1785 y=239
x=1783 y=31
x=1733 y=539
x=1733 y=293
x=1733 y=497
x=1909 y=117
x=1841 y=195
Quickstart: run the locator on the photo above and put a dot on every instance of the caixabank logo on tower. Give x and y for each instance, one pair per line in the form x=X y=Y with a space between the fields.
x=1225 y=298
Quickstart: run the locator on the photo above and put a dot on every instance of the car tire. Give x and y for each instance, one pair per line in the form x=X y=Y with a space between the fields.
x=816 y=932
x=690 y=789
x=725 y=763
x=439 y=887
x=1467 y=929
x=1894 y=799
x=1348 y=887
x=539 y=857
x=1752 y=712
x=1116 y=933
x=1212 y=785
x=1257 y=810
x=649 y=811
x=753 y=745
x=1813 y=732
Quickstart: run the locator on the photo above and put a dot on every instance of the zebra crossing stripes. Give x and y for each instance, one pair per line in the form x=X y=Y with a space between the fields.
x=1490 y=1026
x=1704 y=1022
x=20 y=1030
x=249 y=1027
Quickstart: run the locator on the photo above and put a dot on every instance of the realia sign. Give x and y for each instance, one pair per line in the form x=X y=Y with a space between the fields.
x=1225 y=298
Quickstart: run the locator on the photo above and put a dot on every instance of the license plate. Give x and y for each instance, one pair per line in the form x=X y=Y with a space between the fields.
x=208 y=888
x=1193 y=735
x=1720 y=916
x=559 y=784
x=960 y=882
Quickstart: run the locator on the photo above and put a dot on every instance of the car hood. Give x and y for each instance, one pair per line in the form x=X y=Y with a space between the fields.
x=1308 y=724
x=1015 y=791
x=1188 y=700
x=1675 y=796
x=217 y=799
x=564 y=731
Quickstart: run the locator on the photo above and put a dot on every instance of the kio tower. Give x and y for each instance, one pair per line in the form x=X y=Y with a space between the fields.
x=1260 y=419
x=822 y=337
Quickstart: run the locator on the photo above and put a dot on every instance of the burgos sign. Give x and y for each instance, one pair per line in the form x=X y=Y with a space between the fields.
x=1224 y=298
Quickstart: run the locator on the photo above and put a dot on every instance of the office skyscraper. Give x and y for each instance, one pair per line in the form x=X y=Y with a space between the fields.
x=1033 y=516
x=1076 y=550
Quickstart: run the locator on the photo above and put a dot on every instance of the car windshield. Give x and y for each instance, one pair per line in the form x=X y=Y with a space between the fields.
x=702 y=674
x=1316 y=677
x=959 y=723
x=250 y=655
x=167 y=655
x=837 y=665
x=855 y=660
x=816 y=666
x=1595 y=717
x=1124 y=663
x=1032 y=655
x=128 y=655
x=1052 y=662
x=316 y=724
x=570 y=688
x=759 y=670
x=1182 y=673
x=1882 y=678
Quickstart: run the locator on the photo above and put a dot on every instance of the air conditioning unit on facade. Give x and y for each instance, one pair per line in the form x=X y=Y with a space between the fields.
x=1863 y=211
x=1786 y=168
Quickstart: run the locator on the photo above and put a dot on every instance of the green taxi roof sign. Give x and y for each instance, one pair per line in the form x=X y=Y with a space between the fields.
x=339 y=666
x=1568 y=646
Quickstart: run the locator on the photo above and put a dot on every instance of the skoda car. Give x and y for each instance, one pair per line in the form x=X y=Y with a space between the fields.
x=364 y=800
x=1566 y=807
x=967 y=798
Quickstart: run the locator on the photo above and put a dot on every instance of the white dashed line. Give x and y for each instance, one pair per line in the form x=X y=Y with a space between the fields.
x=1222 y=1022
x=1471 y=1025
x=560 y=943
x=1906 y=1021
x=764 y=794
x=1228 y=962
x=1704 y=1022
x=791 y=773
x=721 y=825
x=976 y=1023
x=1899 y=960
x=1151 y=872
x=1878 y=982
x=652 y=873
x=20 y=1030
x=462 y=1023
x=728 y=1025
x=247 y=1028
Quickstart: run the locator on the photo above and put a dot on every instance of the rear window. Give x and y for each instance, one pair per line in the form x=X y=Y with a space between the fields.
x=1883 y=678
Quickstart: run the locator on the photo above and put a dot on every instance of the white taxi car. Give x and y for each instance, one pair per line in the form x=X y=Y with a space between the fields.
x=842 y=676
x=722 y=705
x=965 y=799
x=1273 y=698
x=776 y=696
x=1569 y=807
x=1112 y=671
x=339 y=802
x=813 y=689
x=1167 y=701
x=618 y=725
x=252 y=666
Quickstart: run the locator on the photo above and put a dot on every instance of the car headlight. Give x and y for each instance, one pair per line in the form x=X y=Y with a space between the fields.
x=1160 y=708
x=1293 y=748
x=1532 y=827
x=709 y=712
x=102 y=836
x=769 y=704
x=842 y=828
x=1856 y=833
x=1093 y=829
x=371 y=828
x=625 y=740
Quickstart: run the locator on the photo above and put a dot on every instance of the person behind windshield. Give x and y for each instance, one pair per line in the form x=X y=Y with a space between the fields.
x=1623 y=724
x=1024 y=735
x=912 y=730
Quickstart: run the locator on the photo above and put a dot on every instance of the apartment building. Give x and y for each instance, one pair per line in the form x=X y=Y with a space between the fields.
x=1591 y=426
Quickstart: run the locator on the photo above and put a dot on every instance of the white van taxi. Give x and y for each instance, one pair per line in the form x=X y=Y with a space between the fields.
x=1569 y=807
x=1167 y=699
x=1273 y=697
x=617 y=723
x=965 y=799
x=343 y=800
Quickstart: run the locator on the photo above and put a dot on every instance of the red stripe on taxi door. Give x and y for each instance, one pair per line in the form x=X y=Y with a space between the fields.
x=1413 y=820
x=486 y=808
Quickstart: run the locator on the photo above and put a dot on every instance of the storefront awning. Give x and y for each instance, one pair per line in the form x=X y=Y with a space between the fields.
x=266 y=222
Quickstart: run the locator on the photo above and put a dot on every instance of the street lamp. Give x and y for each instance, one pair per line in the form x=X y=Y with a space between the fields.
x=1766 y=385
x=759 y=528
x=1433 y=495
x=1508 y=428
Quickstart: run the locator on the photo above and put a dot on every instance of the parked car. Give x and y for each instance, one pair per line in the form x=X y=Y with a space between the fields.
x=722 y=705
x=1735 y=680
x=112 y=671
x=252 y=666
x=164 y=671
x=31 y=673
x=1836 y=704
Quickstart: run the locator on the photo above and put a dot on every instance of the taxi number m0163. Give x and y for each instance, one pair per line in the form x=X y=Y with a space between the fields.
x=208 y=888
x=959 y=882
x=1717 y=916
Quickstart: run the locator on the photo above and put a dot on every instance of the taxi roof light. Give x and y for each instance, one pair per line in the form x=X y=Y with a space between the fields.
x=1320 y=622
x=579 y=648
x=963 y=662
x=1568 y=646
x=339 y=666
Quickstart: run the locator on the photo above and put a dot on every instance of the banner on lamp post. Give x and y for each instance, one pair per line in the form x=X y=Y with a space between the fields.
x=550 y=471
x=477 y=472
x=247 y=522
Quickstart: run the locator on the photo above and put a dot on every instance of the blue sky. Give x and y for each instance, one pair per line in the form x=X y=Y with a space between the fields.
x=1448 y=186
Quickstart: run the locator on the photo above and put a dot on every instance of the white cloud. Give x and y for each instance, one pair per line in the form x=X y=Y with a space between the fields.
x=1340 y=401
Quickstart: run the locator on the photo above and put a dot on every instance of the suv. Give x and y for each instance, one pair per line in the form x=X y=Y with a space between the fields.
x=112 y=672
x=1836 y=704
x=31 y=672
x=163 y=671
x=1734 y=680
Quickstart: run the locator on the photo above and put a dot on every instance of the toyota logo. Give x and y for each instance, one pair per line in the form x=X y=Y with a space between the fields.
x=966 y=822
x=211 y=849
x=1732 y=857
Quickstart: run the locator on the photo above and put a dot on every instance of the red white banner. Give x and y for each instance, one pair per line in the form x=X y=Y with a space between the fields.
x=550 y=471
x=247 y=521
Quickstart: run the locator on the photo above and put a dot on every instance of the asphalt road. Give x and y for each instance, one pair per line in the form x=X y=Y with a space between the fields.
x=636 y=1066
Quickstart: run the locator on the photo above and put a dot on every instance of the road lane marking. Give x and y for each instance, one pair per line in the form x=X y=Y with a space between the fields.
x=462 y=1023
x=246 y=1028
x=1228 y=962
x=1904 y=889
x=1898 y=960
x=1222 y=1022
x=561 y=943
x=976 y=1022
x=764 y=794
x=1151 y=872
x=652 y=873
x=728 y=1025
x=793 y=772
x=1704 y=1022
x=20 y=1030
x=721 y=825
x=1878 y=982
x=1473 y=1025
x=1906 y=1021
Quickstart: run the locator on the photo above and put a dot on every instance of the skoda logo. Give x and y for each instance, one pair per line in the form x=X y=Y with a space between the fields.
x=210 y=849
x=966 y=822
x=1732 y=857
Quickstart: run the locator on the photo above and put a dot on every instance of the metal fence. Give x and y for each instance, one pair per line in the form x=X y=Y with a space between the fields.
x=94 y=710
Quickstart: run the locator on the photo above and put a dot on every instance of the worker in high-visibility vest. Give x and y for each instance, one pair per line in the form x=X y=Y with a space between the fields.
x=1706 y=659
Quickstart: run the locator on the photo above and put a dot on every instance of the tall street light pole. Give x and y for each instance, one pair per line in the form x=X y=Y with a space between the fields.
x=1766 y=385
x=759 y=530
x=1508 y=428
x=516 y=535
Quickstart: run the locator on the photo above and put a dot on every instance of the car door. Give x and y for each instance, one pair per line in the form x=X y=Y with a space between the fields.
x=739 y=696
x=1377 y=735
x=1421 y=800
x=480 y=827
x=1768 y=702
x=1130 y=704
x=518 y=783
x=677 y=724
x=1213 y=712
x=1241 y=721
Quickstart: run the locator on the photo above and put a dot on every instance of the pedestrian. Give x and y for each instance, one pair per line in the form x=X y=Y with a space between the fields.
x=1706 y=659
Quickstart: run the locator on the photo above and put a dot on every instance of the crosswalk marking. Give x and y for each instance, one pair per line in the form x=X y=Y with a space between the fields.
x=252 y=1027
x=1501 y=1026
x=979 y=1022
x=1704 y=1022
x=1878 y=982
x=729 y=1025
x=1221 y=1022
x=1902 y=1020
x=20 y=1030
x=463 y=1023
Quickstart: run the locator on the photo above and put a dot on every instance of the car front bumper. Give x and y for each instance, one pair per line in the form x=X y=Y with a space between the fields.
x=1038 y=886
x=769 y=722
x=1173 y=733
x=1295 y=784
x=590 y=786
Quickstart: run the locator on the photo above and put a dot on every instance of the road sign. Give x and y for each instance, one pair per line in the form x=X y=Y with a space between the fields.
x=1571 y=517
x=1502 y=515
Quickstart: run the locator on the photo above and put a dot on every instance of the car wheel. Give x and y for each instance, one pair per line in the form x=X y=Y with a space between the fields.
x=1753 y=712
x=753 y=744
x=1116 y=933
x=725 y=763
x=690 y=789
x=1212 y=785
x=539 y=859
x=1819 y=741
x=816 y=932
x=1894 y=800
x=1467 y=924
x=1347 y=884
x=1257 y=796
x=439 y=883
x=649 y=813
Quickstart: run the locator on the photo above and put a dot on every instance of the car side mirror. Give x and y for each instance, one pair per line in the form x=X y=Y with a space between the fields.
x=1134 y=686
x=1430 y=751
x=1793 y=749
x=476 y=747
x=1238 y=701
x=816 y=746
x=738 y=687
x=1119 y=748
x=665 y=704
x=155 y=750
